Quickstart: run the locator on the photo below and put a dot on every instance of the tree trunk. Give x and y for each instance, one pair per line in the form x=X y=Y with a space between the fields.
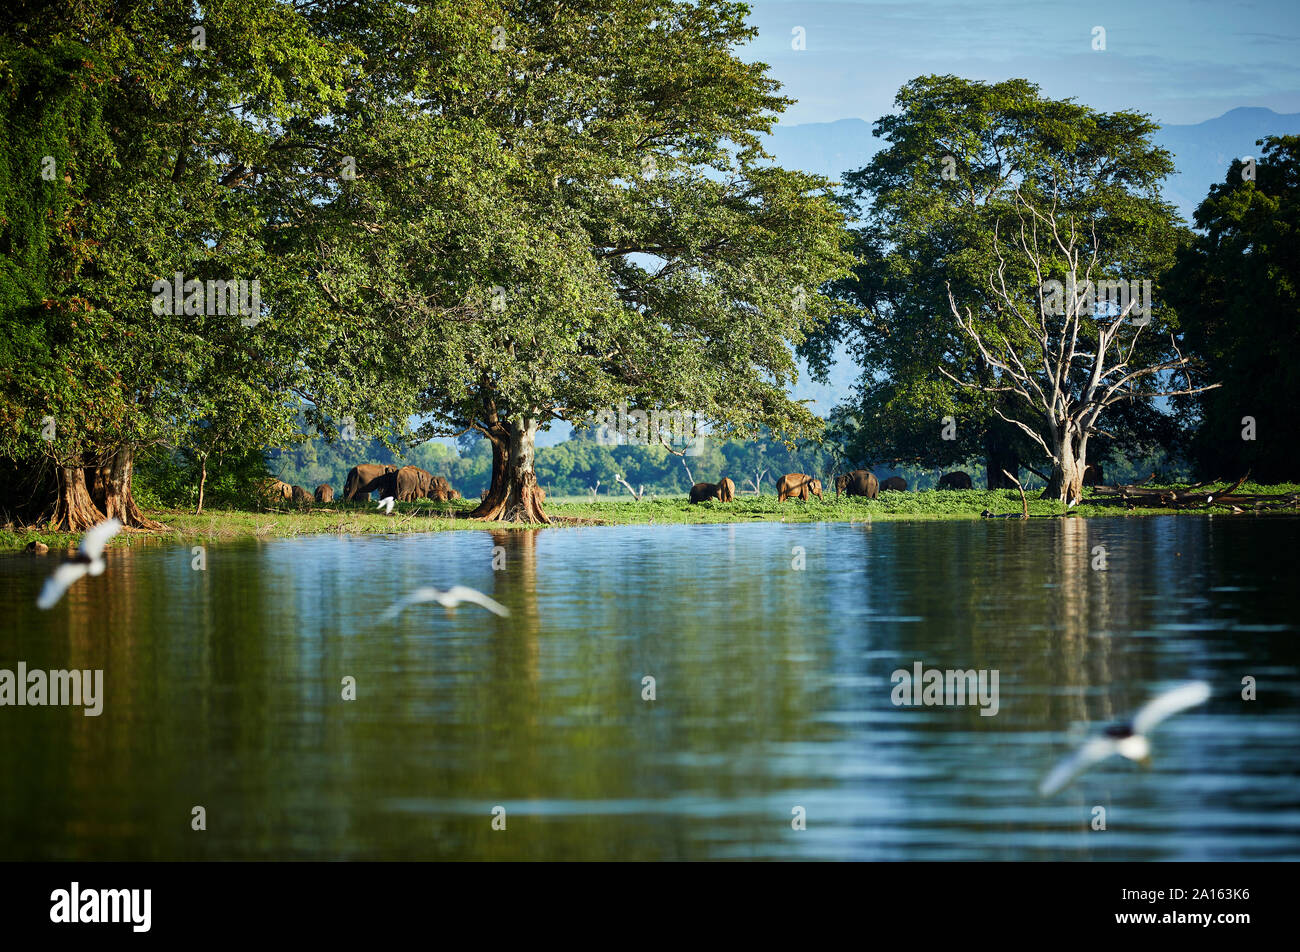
x=74 y=510
x=514 y=498
x=1066 y=483
x=203 y=478
x=118 y=500
x=499 y=439
x=999 y=454
x=96 y=479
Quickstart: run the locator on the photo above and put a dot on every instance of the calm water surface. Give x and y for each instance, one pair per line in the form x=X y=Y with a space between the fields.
x=223 y=689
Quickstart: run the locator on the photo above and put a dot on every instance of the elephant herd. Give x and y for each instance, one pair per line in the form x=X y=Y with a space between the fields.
x=275 y=490
x=408 y=483
x=405 y=484
x=860 y=482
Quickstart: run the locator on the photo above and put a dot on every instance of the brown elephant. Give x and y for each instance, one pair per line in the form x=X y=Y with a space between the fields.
x=860 y=482
x=455 y=494
x=895 y=483
x=324 y=493
x=723 y=491
x=1092 y=474
x=300 y=494
x=274 y=490
x=415 y=483
x=439 y=490
x=955 y=480
x=798 y=486
x=370 y=477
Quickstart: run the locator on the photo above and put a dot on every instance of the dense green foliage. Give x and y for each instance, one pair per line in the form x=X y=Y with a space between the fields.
x=471 y=219
x=487 y=214
x=1237 y=288
x=948 y=208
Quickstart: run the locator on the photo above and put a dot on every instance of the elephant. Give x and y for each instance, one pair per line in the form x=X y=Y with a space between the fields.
x=1092 y=475
x=955 y=480
x=857 y=483
x=274 y=490
x=440 y=490
x=455 y=494
x=896 y=483
x=416 y=483
x=703 y=492
x=300 y=494
x=723 y=491
x=324 y=493
x=370 y=477
x=798 y=486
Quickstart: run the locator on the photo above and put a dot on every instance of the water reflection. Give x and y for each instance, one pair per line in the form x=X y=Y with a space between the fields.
x=224 y=689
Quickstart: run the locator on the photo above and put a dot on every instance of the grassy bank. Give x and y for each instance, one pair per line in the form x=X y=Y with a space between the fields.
x=434 y=517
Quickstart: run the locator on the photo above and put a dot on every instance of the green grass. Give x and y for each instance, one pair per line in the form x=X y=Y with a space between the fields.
x=340 y=517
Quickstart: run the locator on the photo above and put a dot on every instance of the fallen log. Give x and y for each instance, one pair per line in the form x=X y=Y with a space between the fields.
x=1132 y=496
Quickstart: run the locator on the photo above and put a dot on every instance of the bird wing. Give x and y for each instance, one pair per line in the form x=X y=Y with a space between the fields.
x=463 y=593
x=415 y=598
x=1093 y=751
x=1168 y=704
x=97 y=536
x=58 y=583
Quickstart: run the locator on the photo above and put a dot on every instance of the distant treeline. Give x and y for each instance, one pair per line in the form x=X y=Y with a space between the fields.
x=571 y=468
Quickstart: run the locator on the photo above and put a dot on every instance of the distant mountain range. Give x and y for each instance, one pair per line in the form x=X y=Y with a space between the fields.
x=1202 y=154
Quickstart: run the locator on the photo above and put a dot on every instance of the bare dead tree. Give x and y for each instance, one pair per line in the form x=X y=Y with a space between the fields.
x=757 y=483
x=636 y=494
x=1081 y=361
x=593 y=490
x=689 y=478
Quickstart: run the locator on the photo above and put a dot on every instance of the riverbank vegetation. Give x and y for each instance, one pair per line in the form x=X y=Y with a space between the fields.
x=232 y=524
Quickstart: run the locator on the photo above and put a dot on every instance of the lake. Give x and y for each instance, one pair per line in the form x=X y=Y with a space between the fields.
x=772 y=692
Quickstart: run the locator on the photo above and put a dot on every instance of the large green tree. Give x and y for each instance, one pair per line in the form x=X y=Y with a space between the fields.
x=1237 y=289
x=619 y=234
x=941 y=214
x=195 y=113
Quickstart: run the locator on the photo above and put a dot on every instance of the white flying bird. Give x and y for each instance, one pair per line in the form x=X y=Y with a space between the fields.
x=1129 y=739
x=386 y=504
x=448 y=599
x=89 y=560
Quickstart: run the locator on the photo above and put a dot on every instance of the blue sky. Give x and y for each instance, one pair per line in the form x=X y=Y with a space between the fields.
x=1181 y=62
